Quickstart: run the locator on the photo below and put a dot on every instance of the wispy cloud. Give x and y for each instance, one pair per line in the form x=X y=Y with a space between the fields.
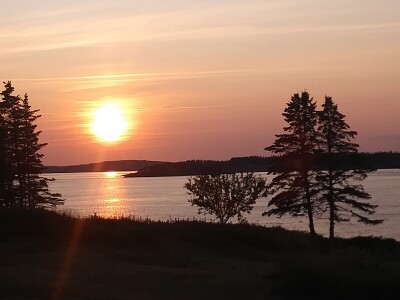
x=72 y=29
x=103 y=35
x=144 y=76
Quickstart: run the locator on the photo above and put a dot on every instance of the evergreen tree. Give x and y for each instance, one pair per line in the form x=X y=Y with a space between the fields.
x=10 y=110
x=338 y=180
x=23 y=186
x=34 y=188
x=293 y=188
x=3 y=162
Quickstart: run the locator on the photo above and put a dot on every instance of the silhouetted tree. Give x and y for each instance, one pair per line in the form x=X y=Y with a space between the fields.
x=34 y=188
x=3 y=162
x=23 y=186
x=11 y=121
x=225 y=195
x=338 y=179
x=293 y=188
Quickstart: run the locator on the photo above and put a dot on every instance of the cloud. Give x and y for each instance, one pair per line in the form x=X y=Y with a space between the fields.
x=144 y=76
x=71 y=28
x=116 y=33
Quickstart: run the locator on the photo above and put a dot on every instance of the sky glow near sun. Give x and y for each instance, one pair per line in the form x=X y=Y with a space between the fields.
x=198 y=79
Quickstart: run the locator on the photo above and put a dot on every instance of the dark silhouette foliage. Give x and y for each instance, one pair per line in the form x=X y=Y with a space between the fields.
x=379 y=160
x=318 y=168
x=225 y=195
x=338 y=182
x=21 y=182
x=205 y=167
x=3 y=162
x=382 y=160
x=293 y=188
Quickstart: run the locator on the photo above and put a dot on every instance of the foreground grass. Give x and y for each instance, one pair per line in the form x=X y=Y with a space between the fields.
x=45 y=255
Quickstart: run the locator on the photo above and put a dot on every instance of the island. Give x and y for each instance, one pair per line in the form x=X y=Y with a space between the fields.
x=373 y=161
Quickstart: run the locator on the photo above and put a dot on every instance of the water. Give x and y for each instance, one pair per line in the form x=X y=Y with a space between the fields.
x=164 y=198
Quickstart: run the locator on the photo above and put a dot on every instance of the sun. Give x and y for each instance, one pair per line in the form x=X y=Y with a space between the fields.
x=109 y=123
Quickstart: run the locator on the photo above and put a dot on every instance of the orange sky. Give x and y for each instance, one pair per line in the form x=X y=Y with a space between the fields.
x=200 y=79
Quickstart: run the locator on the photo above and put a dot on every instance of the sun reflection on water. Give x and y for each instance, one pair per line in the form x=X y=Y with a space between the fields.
x=113 y=198
x=110 y=174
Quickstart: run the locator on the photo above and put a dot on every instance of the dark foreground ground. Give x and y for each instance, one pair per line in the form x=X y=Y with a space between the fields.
x=48 y=256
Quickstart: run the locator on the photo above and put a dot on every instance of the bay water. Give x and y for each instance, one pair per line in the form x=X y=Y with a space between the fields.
x=109 y=194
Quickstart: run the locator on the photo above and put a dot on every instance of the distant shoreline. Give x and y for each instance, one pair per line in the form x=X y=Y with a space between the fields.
x=105 y=166
x=373 y=161
x=148 y=168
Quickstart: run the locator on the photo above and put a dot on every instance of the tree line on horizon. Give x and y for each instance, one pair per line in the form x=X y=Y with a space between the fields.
x=316 y=172
x=370 y=160
x=21 y=183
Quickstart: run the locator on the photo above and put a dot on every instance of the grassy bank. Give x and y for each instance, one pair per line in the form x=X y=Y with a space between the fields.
x=49 y=256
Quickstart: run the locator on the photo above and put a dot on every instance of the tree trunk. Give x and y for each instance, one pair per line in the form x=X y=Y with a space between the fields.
x=331 y=222
x=309 y=207
x=331 y=208
x=310 y=218
x=331 y=200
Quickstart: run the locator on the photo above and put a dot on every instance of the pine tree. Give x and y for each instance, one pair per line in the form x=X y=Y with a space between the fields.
x=24 y=186
x=293 y=187
x=338 y=182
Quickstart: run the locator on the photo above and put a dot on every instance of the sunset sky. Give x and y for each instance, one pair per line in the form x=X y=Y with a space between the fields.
x=199 y=79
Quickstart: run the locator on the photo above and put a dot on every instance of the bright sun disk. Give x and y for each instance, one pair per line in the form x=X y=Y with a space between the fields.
x=109 y=123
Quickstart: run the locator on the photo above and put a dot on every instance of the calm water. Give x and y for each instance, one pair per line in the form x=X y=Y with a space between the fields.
x=163 y=198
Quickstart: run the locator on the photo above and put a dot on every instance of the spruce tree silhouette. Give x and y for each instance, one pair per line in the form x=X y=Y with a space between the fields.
x=22 y=186
x=338 y=181
x=293 y=188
